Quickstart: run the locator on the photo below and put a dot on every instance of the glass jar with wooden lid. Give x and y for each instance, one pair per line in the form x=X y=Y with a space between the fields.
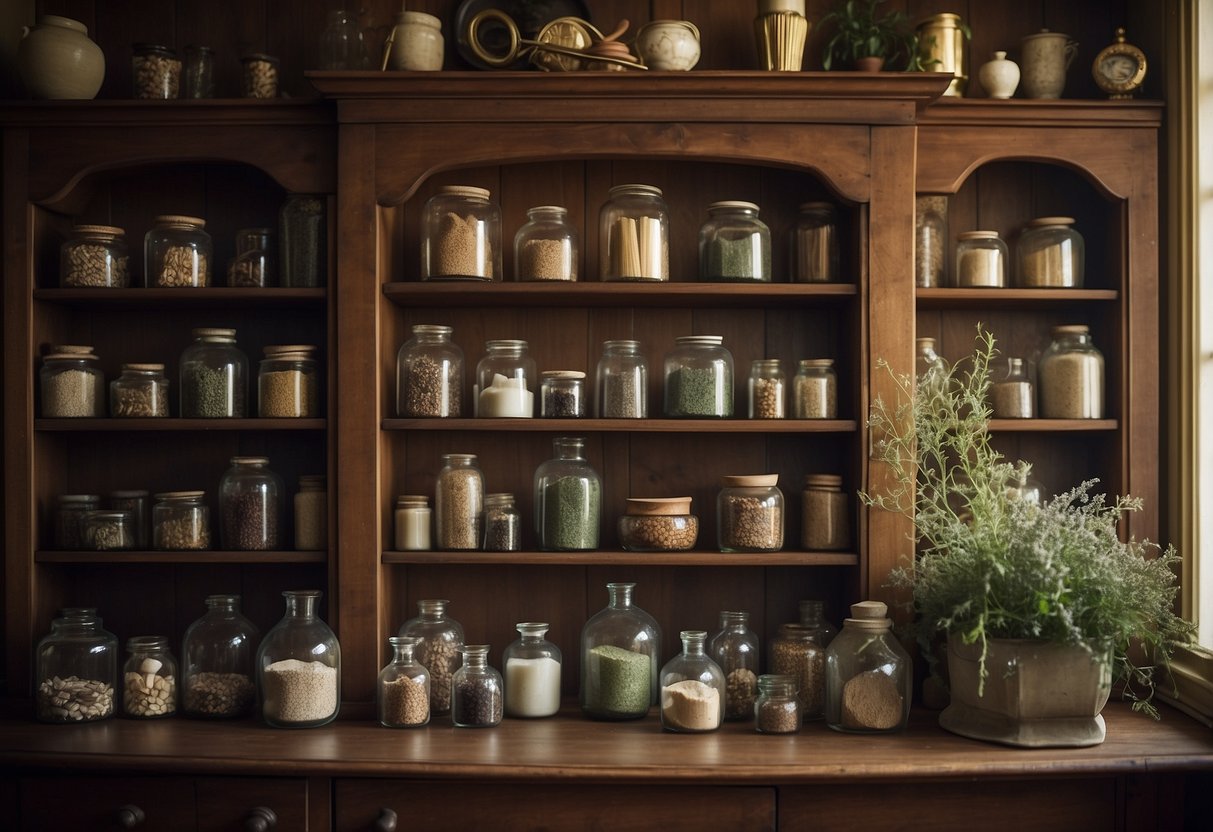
x=177 y=253
x=94 y=256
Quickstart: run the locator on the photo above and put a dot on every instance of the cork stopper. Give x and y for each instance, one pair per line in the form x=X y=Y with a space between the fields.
x=869 y=615
x=663 y=506
x=750 y=481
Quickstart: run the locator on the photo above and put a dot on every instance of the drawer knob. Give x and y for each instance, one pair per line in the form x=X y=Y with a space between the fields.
x=260 y=819
x=130 y=816
x=386 y=821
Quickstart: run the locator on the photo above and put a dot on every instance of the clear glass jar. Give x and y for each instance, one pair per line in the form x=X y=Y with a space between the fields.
x=825 y=514
x=734 y=647
x=777 y=708
x=812 y=615
x=767 y=386
x=441 y=639
x=930 y=241
x=302 y=232
x=622 y=381
x=1011 y=397
x=107 y=531
x=403 y=691
x=177 y=252
x=699 y=378
x=620 y=652
x=140 y=392
x=156 y=71
x=532 y=673
x=502 y=524
x=477 y=692
x=73 y=386
x=568 y=498
x=1050 y=255
x=545 y=247
x=259 y=76
x=288 y=383
x=311 y=514
x=213 y=376
x=1071 y=376
x=796 y=652
x=692 y=688
x=341 y=42
x=981 y=260
x=94 y=256
x=253 y=266
x=77 y=668
x=181 y=521
x=658 y=524
x=869 y=675
x=459 y=503
x=149 y=678
x=815 y=244
x=299 y=667
x=930 y=369
x=217 y=661
x=734 y=245
x=461 y=235
x=815 y=390
x=429 y=374
x=250 y=505
x=137 y=504
x=505 y=381
x=68 y=516
x=562 y=394
x=749 y=514
x=412 y=517
x=634 y=234
x=199 y=72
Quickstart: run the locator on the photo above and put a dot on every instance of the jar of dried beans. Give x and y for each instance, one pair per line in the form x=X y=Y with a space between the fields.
x=749 y=514
x=795 y=652
x=634 y=234
x=94 y=256
x=217 y=660
x=181 y=521
x=102 y=530
x=260 y=76
x=77 y=668
x=149 y=678
x=461 y=235
x=502 y=524
x=1071 y=374
x=156 y=70
x=440 y=639
x=562 y=394
x=477 y=690
x=250 y=505
x=766 y=388
x=177 y=252
x=777 y=709
x=545 y=247
x=429 y=374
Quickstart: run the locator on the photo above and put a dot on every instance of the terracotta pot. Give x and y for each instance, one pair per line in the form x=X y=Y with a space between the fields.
x=871 y=63
x=57 y=60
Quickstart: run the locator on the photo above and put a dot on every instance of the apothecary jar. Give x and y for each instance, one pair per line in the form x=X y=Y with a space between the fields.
x=620 y=653
x=213 y=376
x=734 y=647
x=440 y=639
x=250 y=505
x=869 y=675
x=149 y=678
x=177 y=252
x=299 y=666
x=532 y=673
x=1071 y=375
x=477 y=692
x=403 y=691
x=77 y=669
x=692 y=688
x=545 y=247
x=459 y=503
x=568 y=498
x=429 y=374
x=461 y=235
x=634 y=234
x=217 y=661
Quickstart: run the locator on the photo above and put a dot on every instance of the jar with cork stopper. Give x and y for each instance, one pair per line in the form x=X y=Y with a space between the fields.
x=869 y=674
x=981 y=260
x=461 y=235
x=545 y=247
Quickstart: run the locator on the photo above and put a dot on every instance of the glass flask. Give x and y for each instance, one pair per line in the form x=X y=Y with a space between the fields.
x=869 y=674
x=140 y=392
x=505 y=381
x=155 y=71
x=429 y=374
x=545 y=247
x=815 y=390
x=441 y=639
x=412 y=518
x=217 y=656
x=692 y=688
x=1071 y=376
x=68 y=516
x=812 y=615
x=981 y=260
x=253 y=266
x=734 y=245
x=1050 y=255
x=341 y=42
x=749 y=514
x=461 y=235
x=77 y=668
x=403 y=692
x=815 y=244
x=299 y=667
x=198 y=75
x=107 y=531
x=213 y=376
x=532 y=673
x=502 y=524
x=1012 y=397
x=562 y=394
x=311 y=514
x=459 y=503
x=622 y=381
x=930 y=241
x=699 y=378
x=73 y=386
x=137 y=504
x=250 y=505
x=302 y=232
x=181 y=521
x=568 y=498
x=825 y=514
x=620 y=651
x=795 y=652
x=734 y=648
x=634 y=234
x=477 y=692
x=177 y=252
x=149 y=678
x=766 y=388
x=288 y=383
x=94 y=256
x=777 y=708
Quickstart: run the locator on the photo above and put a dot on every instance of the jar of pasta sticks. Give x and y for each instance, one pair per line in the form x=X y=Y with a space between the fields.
x=634 y=234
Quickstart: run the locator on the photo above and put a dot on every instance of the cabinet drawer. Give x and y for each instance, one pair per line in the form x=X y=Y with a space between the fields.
x=227 y=804
x=99 y=803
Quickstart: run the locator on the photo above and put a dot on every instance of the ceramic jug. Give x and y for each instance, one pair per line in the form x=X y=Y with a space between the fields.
x=668 y=44
x=1044 y=59
x=999 y=77
x=415 y=43
x=57 y=60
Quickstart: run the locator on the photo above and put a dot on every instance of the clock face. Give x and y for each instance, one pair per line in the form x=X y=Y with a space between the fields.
x=1118 y=69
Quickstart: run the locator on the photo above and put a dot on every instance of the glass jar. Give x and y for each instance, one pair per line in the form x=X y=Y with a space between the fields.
x=1011 y=396
x=136 y=503
x=156 y=71
x=94 y=256
x=812 y=615
x=140 y=392
x=869 y=674
x=213 y=376
x=429 y=374
x=622 y=381
x=1026 y=488
x=796 y=652
x=532 y=673
x=412 y=517
x=562 y=394
x=459 y=503
x=777 y=708
x=634 y=234
x=181 y=521
x=1050 y=255
x=199 y=72
x=403 y=691
x=217 y=658
x=252 y=267
x=568 y=499
x=1071 y=375
x=311 y=514
x=545 y=247
x=981 y=260
x=73 y=386
x=825 y=514
x=766 y=389
x=658 y=524
x=299 y=667
x=461 y=235
x=930 y=241
x=505 y=381
x=620 y=650
x=692 y=688
x=749 y=514
x=302 y=232
x=734 y=245
x=699 y=378
x=107 y=531
x=177 y=252
x=341 y=42
x=477 y=692
x=149 y=678
x=259 y=76
x=288 y=383
x=441 y=639
x=77 y=668
x=815 y=389
x=815 y=244
x=734 y=647
x=502 y=524
x=250 y=505
x=68 y=517
x=930 y=369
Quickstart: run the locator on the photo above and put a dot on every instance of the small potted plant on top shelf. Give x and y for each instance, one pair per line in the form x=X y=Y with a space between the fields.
x=864 y=39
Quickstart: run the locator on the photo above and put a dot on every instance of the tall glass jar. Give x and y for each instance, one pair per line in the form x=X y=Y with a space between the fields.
x=68 y=516
x=620 y=652
x=634 y=234
x=403 y=692
x=302 y=232
x=253 y=266
x=288 y=383
x=692 y=688
x=734 y=245
x=562 y=394
x=477 y=692
x=506 y=379
x=140 y=392
x=699 y=378
x=930 y=241
x=311 y=514
x=341 y=42
x=532 y=673
x=461 y=235
x=749 y=514
x=766 y=387
x=815 y=244
x=1012 y=397
x=869 y=675
x=545 y=247
x=981 y=260
x=622 y=381
x=568 y=498
x=441 y=639
x=429 y=374
x=94 y=256
x=812 y=615
x=502 y=524
x=77 y=668
x=181 y=521
x=796 y=652
x=777 y=709
x=198 y=74
x=107 y=531
x=149 y=678
x=137 y=504
x=156 y=71
x=815 y=390
x=214 y=376
x=825 y=514
x=1071 y=375
x=734 y=647
x=250 y=505
x=299 y=667
x=412 y=517
x=1050 y=255
x=73 y=386
x=177 y=252
x=217 y=660
x=459 y=503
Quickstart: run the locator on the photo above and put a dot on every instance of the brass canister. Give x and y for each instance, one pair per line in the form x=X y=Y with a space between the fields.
x=941 y=42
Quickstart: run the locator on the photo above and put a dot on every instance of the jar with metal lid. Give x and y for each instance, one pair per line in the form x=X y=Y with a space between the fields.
x=94 y=256
x=1011 y=397
x=73 y=386
x=505 y=381
x=749 y=514
x=259 y=78
x=136 y=502
x=568 y=498
x=198 y=74
x=815 y=390
x=302 y=232
x=459 y=503
x=766 y=389
x=869 y=675
x=825 y=514
x=634 y=234
x=461 y=235
x=149 y=678
x=562 y=394
x=181 y=521
x=734 y=245
x=441 y=639
x=412 y=517
x=622 y=381
x=299 y=666
x=177 y=252
x=218 y=655
x=812 y=615
x=156 y=71
x=68 y=516
x=777 y=708
x=734 y=647
x=1050 y=255
x=477 y=691
x=77 y=669
x=981 y=260
x=531 y=666
x=815 y=244
x=699 y=378
x=930 y=241
x=253 y=267
x=311 y=514
x=692 y=688
x=102 y=530
x=403 y=690
x=250 y=505
x=620 y=653
x=545 y=247
x=213 y=376
x=1071 y=376
x=502 y=524
x=429 y=374
x=797 y=653
x=658 y=524
x=288 y=383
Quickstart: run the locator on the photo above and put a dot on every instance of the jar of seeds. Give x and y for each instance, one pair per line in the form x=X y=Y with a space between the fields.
x=429 y=374
x=403 y=692
x=299 y=666
x=568 y=498
x=796 y=653
x=213 y=376
x=77 y=668
x=1011 y=397
x=136 y=502
x=562 y=394
x=981 y=260
x=634 y=234
x=107 y=531
x=177 y=253
x=930 y=235
x=94 y=256
x=699 y=378
x=777 y=709
x=502 y=524
x=440 y=640
x=734 y=245
x=288 y=383
x=531 y=667
x=250 y=505
x=253 y=266
x=73 y=386
x=505 y=381
x=181 y=521
x=734 y=647
x=68 y=516
x=1050 y=255
x=478 y=693
x=140 y=392
x=1071 y=375
x=217 y=660
x=260 y=76
x=825 y=514
x=749 y=514
x=156 y=71
x=766 y=389
x=149 y=678
x=311 y=514
x=620 y=654
x=461 y=235
x=815 y=390
x=302 y=231
x=412 y=517
x=622 y=381
x=459 y=503
x=545 y=247
x=869 y=675
x=658 y=524
x=815 y=244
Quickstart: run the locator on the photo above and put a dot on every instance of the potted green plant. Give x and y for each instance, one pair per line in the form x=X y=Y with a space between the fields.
x=863 y=38
x=1029 y=595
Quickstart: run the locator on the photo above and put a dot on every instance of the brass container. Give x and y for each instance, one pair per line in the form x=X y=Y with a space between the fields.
x=941 y=42
x=781 y=37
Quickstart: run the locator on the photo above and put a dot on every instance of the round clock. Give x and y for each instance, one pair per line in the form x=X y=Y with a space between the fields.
x=1120 y=68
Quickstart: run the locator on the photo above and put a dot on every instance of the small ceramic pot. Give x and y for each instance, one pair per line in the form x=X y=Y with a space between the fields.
x=999 y=77
x=416 y=43
x=871 y=63
x=57 y=59
x=1044 y=59
x=668 y=44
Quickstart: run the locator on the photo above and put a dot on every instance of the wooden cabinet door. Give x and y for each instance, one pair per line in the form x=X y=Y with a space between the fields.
x=100 y=804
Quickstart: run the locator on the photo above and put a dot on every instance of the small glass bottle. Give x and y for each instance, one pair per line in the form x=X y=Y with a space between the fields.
x=505 y=381
x=734 y=647
x=302 y=232
x=477 y=692
x=253 y=267
x=815 y=390
x=260 y=76
x=461 y=235
x=692 y=688
x=815 y=244
x=341 y=44
x=412 y=517
x=545 y=247
x=68 y=516
x=699 y=378
x=198 y=75
x=930 y=368
x=812 y=615
x=77 y=668
x=622 y=381
x=140 y=392
x=734 y=245
x=181 y=521
x=562 y=394
x=429 y=374
x=459 y=503
x=777 y=709
x=250 y=505
x=796 y=652
x=156 y=71
x=288 y=383
x=1011 y=397
x=107 y=531
x=137 y=504
x=213 y=376
x=217 y=660
x=749 y=514
x=825 y=514
x=149 y=678
x=1050 y=255
x=177 y=252
x=311 y=514
x=299 y=667
x=502 y=524
x=73 y=386
x=869 y=674
x=441 y=639
x=766 y=388
x=532 y=673
x=930 y=241
x=568 y=499
x=620 y=652
x=403 y=692
x=634 y=234
x=981 y=260
x=1071 y=375
x=94 y=256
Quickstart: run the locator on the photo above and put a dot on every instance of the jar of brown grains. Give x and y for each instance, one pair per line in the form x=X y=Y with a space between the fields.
x=749 y=514
x=440 y=640
x=461 y=235
x=815 y=390
x=288 y=383
x=217 y=660
x=156 y=71
x=545 y=247
x=777 y=709
x=795 y=652
x=459 y=503
x=766 y=389
x=72 y=385
x=429 y=374
x=403 y=694
x=825 y=514
x=1071 y=374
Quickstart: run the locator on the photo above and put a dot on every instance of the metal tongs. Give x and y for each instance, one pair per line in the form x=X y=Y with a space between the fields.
x=565 y=44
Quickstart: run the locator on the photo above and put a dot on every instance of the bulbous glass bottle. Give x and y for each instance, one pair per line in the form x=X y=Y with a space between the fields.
x=734 y=648
x=217 y=656
x=869 y=674
x=620 y=648
x=403 y=692
x=477 y=695
x=429 y=374
x=441 y=639
x=77 y=669
x=568 y=499
x=299 y=667
x=532 y=673
x=692 y=688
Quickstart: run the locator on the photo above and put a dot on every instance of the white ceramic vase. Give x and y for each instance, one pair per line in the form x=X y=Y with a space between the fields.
x=668 y=44
x=57 y=60
x=999 y=77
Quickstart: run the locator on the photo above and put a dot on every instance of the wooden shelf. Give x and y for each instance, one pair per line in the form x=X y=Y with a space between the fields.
x=1052 y=425
x=622 y=294
x=600 y=558
x=653 y=425
x=1014 y=298
x=210 y=297
x=173 y=423
x=204 y=557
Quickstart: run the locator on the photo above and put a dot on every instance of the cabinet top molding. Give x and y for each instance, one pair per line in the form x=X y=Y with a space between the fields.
x=1057 y=112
